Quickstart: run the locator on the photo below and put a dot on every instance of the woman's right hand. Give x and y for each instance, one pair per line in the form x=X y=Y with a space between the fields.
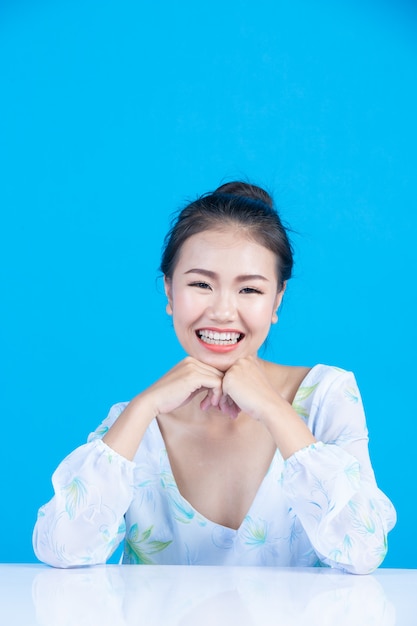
x=182 y=383
x=175 y=389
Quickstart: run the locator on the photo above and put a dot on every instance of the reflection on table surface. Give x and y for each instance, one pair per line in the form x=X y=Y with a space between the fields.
x=183 y=595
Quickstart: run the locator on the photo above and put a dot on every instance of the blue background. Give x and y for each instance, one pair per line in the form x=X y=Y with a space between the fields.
x=112 y=115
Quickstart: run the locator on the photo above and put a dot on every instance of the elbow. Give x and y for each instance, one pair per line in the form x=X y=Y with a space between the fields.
x=358 y=569
x=43 y=552
x=364 y=556
x=56 y=551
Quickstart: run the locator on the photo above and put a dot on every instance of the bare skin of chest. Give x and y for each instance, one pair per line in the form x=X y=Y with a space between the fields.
x=219 y=468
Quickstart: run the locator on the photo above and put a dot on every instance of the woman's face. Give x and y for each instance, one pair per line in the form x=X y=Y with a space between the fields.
x=223 y=296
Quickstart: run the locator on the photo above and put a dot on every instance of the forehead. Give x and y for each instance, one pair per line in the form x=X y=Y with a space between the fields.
x=229 y=249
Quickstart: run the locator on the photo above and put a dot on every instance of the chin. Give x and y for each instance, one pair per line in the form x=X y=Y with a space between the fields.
x=220 y=362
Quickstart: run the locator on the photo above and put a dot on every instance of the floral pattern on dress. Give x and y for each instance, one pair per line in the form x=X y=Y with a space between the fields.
x=139 y=546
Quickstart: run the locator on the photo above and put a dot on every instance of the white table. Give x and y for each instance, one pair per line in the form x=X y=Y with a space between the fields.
x=152 y=595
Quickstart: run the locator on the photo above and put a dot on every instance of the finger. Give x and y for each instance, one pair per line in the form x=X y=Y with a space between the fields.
x=223 y=404
x=211 y=399
x=206 y=402
x=229 y=406
x=215 y=395
x=232 y=410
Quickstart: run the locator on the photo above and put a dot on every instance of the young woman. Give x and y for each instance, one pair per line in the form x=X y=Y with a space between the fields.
x=228 y=458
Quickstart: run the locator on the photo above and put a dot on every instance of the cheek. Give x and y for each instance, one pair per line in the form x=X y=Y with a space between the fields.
x=186 y=305
x=259 y=313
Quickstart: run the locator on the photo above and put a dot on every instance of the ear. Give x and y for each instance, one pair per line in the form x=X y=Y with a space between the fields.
x=168 y=293
x=277 y=303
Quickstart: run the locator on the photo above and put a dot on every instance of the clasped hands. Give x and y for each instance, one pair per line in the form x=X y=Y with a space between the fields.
x=224 y=403
x=243 y=387
x=239 y=388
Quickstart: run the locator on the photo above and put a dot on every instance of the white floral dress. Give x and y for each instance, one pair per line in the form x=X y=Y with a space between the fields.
x=320 y=507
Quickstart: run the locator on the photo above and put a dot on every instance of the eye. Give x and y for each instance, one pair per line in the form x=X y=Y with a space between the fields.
x=250 y=290
x=200 y=285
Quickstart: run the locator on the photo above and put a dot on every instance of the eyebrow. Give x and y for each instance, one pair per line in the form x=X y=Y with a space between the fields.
x=240 y=278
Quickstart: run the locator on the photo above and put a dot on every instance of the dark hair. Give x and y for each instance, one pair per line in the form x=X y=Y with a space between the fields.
x=239 y=203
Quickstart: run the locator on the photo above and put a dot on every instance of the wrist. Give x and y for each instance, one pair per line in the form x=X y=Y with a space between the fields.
x=289 y=432
x=143 y=407
x=273 y=410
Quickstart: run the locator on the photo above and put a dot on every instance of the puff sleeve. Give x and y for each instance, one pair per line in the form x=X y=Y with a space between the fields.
x=84 y=521
x=331 y=485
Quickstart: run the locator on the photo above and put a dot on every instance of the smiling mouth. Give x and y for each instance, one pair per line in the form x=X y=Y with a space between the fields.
x=215 y=338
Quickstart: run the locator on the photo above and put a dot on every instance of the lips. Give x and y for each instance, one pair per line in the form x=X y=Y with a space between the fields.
x=219 y=338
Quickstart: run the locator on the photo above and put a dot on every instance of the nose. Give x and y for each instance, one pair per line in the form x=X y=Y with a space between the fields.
x=222 y=307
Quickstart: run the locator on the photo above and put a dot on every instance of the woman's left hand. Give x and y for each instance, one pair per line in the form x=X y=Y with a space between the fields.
x=247 y=386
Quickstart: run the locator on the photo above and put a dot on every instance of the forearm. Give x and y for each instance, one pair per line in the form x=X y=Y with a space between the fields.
x=288 y=430
x=125 y=435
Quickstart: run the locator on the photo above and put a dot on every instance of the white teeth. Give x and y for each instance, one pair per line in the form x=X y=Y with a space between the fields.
x=212 y=337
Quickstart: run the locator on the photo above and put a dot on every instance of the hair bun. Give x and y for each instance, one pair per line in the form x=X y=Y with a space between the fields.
x=246 y=190
x=233 y=204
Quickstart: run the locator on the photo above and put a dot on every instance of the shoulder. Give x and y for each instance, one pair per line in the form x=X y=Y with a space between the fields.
x=328 y=374
x=299 y=375
x=285 y=378
x=328 y=399
x=327 y=379
x=330 y=386
x=112 y=416
x=325 y=385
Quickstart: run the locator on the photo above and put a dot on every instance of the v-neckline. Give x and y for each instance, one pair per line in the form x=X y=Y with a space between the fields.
x=235 y=531
x=174 y=484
